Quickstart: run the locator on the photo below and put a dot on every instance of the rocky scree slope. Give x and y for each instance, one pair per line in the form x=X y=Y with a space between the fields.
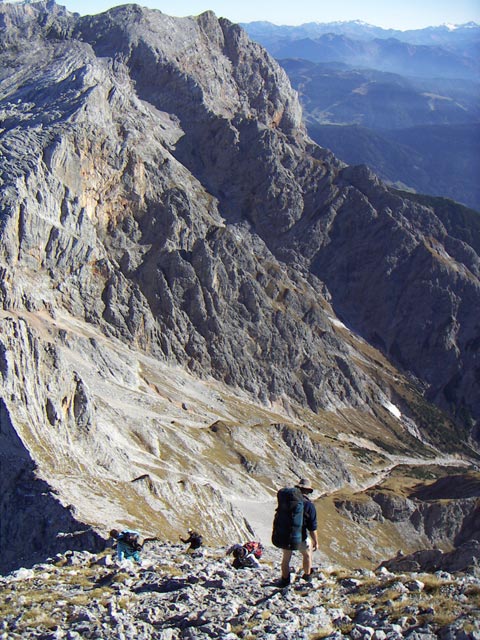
x=169 y=345
x=175 y=595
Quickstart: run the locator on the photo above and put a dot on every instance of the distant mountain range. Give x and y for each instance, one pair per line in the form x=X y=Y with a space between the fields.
x=407 y=104
x=336 y=93
x=459 y=39
x=434 y=52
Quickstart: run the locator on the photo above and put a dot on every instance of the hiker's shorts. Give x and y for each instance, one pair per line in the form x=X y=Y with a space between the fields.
x=305 y=545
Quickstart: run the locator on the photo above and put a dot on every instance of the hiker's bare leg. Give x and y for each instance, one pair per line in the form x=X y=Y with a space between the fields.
x=287 y=554
x=307 y=561
x=306 y=550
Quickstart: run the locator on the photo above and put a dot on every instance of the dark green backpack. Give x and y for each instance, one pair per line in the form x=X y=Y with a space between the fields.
x=288 y=520
x=130 y=539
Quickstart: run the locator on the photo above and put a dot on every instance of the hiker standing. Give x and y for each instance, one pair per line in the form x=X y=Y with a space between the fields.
x=295 y=528
x=194 y=539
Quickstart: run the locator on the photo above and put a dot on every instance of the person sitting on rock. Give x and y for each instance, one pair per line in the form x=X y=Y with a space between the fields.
x=243 y=556
x=194 y=539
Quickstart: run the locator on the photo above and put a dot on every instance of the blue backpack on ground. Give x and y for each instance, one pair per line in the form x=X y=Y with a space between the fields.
x=288 y=520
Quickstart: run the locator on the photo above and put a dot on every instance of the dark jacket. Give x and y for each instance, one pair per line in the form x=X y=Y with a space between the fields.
x=195 y=540
x=309 y=517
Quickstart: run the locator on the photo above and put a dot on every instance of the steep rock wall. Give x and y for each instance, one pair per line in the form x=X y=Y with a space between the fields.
x=164 y=217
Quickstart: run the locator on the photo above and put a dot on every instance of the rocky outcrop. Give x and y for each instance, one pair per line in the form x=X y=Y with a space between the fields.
x=443 y=513
x=136 y=244
x=462 y=558
x=417 y=320
x=225 y=111
x=175 y=251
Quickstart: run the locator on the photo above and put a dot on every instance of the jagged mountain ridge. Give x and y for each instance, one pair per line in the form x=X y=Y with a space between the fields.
x=413 y=159
x=163 y=206
x=441 y=162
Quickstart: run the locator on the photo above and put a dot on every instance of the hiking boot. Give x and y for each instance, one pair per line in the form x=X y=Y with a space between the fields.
x=308 y=576
x=284 y=582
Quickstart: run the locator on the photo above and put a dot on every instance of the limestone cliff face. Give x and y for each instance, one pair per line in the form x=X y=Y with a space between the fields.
x=128 y=236
x=174 y=253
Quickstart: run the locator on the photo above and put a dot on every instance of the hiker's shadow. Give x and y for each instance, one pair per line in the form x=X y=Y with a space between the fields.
x=167 y=585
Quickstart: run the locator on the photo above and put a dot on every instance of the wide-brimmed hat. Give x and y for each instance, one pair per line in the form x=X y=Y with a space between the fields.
x=304 y=485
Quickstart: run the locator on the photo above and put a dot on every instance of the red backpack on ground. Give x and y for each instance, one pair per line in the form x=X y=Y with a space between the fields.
x=254 y=547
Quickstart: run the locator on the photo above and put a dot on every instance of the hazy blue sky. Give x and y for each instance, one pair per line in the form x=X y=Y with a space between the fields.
x=399 y=14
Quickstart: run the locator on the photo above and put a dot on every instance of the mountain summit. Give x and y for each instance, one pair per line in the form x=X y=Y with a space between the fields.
x=199 y=304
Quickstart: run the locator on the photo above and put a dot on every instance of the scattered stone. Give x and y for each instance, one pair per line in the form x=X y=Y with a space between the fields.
x=415 y=585
x=178 y=597
x=22 y=574
x=350 y=583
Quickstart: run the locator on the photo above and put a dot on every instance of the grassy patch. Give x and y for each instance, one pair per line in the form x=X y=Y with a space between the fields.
x=324 y=633
x=36 y=617
x=445 y=616
x=360 y=598
x=433 y=584
x=338 y=573
x=473 y=590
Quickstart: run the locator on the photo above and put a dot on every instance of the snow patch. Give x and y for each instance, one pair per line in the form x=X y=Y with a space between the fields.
x=395 y=411
x=337 y=323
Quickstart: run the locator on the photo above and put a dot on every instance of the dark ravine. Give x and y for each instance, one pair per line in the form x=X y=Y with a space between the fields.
x=176 y=251
x=42 y=524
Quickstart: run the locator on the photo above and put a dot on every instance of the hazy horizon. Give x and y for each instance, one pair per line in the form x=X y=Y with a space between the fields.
x=387 y=14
